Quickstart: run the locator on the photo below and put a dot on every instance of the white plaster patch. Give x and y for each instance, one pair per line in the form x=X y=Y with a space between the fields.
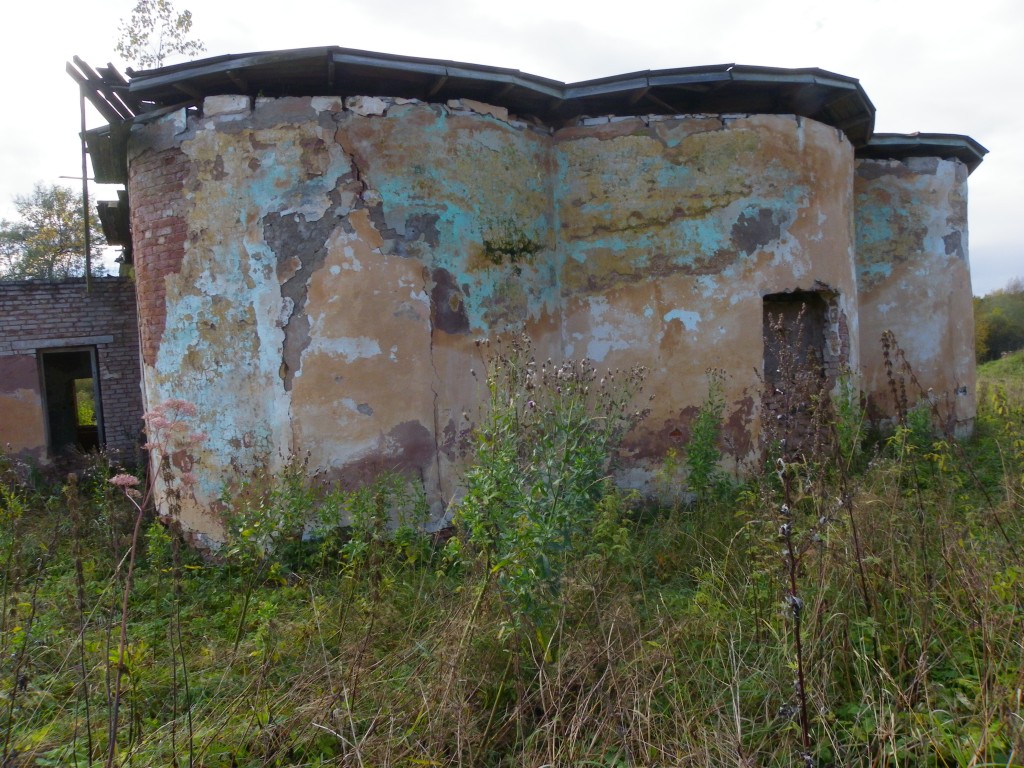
x=178 y=120
x=366 y=105
x=218 y=106
x=326 y=103
x=353 y=264
x=334 y=269
x=349 y=347
x=287 y=307
x=501 y=113
x=621 y=331
x=689 y=319
x=708 y=286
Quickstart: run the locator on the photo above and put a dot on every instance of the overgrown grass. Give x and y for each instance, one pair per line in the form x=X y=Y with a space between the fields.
x=563 y=624
x=1007 y=372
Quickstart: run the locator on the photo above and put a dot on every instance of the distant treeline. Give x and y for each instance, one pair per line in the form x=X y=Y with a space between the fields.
x=999 y=321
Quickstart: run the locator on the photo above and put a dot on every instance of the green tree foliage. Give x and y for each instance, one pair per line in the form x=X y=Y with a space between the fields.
x=999 y=321
x=155 y=31
x=47 y=242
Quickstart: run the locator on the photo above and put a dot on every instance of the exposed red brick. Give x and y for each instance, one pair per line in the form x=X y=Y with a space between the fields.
x=156 y=181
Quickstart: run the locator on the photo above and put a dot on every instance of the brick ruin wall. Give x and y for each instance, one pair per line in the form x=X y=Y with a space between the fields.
x=159 y=233
x=39 y=316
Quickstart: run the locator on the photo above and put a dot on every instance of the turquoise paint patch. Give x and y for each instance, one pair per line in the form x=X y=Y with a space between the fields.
x=689 y=319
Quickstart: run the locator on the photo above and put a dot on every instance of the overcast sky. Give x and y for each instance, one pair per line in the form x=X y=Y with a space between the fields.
x=930 y=66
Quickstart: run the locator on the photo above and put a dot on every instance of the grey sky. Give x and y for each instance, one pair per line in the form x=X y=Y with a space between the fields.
x=933 y=66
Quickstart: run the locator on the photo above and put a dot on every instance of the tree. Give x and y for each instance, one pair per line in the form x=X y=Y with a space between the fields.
x=154 y=32
x=48 y=240
x=999 y=321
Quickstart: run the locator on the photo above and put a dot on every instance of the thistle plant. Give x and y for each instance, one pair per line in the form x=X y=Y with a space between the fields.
x=543 y=452
x=170 y=433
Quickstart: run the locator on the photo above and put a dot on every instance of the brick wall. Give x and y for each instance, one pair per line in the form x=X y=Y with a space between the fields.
x=158 y=234
x=38 y=316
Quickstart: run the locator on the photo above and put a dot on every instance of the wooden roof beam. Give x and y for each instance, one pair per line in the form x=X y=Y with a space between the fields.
x=109 y=113
x=239 y=82
x=188 y=90
x=437 y=85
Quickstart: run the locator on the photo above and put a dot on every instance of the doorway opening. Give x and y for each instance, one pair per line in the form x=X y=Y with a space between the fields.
x=797 y=366
x=73 y=414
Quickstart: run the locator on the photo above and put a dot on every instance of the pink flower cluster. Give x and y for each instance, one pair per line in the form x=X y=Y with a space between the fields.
x=169 y=433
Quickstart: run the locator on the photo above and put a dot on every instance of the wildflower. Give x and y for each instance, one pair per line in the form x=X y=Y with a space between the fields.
x=183 y=407
x=157 y=421
x=124 y=481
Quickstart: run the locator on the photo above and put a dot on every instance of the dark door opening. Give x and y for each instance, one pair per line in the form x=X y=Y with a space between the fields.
x=73 y=413
x=795 y=371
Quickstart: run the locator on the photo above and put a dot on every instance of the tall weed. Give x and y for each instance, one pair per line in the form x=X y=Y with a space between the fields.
x=542 y=455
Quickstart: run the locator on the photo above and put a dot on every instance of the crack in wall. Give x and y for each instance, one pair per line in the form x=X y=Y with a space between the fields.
x=293 y=240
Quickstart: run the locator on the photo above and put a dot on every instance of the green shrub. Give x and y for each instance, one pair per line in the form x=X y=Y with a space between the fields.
x=542 y=454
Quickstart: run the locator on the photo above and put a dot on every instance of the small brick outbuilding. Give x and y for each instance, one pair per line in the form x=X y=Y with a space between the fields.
x=69 y=368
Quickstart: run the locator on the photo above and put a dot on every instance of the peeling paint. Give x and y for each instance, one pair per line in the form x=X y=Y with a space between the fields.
x=333 y=278
x=690 y=320
x=912 y=251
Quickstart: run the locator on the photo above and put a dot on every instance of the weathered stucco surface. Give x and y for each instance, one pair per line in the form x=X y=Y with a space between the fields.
x=671 y=233
x=322 y=272
x=914 y=280
x=21 y=403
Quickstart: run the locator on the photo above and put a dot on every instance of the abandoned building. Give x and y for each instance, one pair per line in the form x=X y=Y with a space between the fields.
x=320 y=235
x=69 y=368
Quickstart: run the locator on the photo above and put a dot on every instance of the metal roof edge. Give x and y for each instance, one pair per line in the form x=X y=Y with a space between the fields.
x=948 y=146
x=300 y=69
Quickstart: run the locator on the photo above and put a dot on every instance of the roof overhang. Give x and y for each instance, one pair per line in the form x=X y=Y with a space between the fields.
x=723 y=88
x=826 y=97
x=948 y=146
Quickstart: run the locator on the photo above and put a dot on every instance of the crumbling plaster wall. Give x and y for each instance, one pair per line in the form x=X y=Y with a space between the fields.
x=329 y=280
x=312 y=272
x=914 y=279
x=674 y=230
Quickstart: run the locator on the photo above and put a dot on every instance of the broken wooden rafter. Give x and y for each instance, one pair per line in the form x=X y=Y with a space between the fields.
x=110 y=112
x=108 y=87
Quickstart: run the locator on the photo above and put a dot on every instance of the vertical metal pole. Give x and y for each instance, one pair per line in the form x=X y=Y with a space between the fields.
x=85 y=197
